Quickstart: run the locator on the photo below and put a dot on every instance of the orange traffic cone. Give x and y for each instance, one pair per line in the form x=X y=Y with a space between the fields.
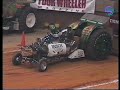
x=23 y=41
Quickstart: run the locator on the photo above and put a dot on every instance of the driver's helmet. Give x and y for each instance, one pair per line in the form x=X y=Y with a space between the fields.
x=54 y=30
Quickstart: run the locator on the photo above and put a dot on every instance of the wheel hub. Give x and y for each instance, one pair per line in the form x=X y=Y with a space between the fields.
x=43 y=66
x=103 y=45
x=30 y=20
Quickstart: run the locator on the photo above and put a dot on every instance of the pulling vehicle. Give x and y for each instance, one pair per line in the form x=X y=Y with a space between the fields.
x=85 y=38
x=18 y=15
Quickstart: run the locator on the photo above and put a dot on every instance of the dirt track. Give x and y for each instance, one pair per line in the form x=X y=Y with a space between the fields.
x=62 y=75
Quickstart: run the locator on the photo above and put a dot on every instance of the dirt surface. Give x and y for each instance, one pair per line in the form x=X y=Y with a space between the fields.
x=66 y=74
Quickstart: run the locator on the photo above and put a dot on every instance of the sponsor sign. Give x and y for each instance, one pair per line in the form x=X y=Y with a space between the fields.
x=56 y=49
x=109 y=10
x=79 y=6
x=114 y=21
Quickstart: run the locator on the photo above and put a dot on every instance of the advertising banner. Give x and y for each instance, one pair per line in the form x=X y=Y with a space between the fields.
x=79 y=6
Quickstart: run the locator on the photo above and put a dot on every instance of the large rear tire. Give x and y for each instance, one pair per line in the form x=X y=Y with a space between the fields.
x=27 y=19
x=99 y=45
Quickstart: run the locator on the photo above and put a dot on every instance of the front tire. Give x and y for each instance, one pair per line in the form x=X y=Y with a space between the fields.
x=17 y=59
x=42 y=66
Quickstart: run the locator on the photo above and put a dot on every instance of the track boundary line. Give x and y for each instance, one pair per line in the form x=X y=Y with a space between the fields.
x=10 y=51
x=91 y=86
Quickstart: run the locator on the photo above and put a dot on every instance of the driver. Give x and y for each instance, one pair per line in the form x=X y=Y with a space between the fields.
x=55 y=34
x=54 y=30
x=65 y=35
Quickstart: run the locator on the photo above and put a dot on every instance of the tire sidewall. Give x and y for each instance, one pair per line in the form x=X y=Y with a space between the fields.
x=40 y=68
x=90 y=50
x=22 y=15
x=14 y=61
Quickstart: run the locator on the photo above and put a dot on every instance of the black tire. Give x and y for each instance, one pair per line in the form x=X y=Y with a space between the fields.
x=42 y=66
x=99 y=45
x=23 y=15
x=17 y=58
